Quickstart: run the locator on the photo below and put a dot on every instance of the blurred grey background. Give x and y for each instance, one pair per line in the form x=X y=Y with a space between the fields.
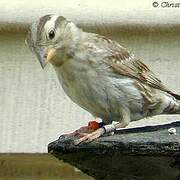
x=34 y=110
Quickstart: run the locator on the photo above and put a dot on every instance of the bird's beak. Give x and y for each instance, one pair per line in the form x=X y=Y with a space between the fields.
x=45 y=55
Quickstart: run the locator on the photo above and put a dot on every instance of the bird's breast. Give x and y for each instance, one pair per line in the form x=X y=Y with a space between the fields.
x=84 y=86
x=99 y=93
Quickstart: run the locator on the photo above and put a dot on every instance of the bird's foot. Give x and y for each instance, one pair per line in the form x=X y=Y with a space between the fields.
x=79 y=132
x=90 y=137
x=85 y=130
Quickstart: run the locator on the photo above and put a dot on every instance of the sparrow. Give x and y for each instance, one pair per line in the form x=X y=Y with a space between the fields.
x=99 y=75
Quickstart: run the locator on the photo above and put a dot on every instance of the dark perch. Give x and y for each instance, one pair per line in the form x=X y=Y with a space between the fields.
x=137 y=153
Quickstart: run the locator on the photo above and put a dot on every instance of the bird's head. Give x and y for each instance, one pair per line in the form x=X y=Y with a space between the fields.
x=46 y=36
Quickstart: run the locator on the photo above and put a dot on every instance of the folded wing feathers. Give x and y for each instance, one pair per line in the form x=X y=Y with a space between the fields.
x=126 y=64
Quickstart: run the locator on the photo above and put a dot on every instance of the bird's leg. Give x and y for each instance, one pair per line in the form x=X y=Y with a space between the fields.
x=99 y=132
x=106 y=129
x=91 y=127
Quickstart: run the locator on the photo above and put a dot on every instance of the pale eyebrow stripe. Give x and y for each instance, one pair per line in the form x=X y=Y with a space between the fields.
x=50 y=23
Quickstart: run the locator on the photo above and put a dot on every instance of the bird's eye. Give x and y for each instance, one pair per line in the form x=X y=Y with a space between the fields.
x=51 y=34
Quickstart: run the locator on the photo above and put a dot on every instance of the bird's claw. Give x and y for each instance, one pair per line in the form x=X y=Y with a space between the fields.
x=90 y=137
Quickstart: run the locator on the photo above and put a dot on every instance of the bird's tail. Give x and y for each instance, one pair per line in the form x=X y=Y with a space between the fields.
x=174 y=106
x=177 y=96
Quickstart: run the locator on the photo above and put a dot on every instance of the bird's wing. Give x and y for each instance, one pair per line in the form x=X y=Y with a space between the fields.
x=124 y=63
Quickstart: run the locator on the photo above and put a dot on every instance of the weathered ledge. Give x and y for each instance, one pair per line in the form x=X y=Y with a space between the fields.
x=127 y=154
